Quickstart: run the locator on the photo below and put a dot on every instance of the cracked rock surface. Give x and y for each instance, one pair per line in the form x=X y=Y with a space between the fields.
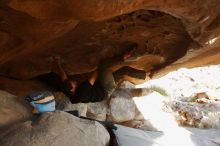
x=82 y=33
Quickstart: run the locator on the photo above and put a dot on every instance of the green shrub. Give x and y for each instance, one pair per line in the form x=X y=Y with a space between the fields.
x=159 y=90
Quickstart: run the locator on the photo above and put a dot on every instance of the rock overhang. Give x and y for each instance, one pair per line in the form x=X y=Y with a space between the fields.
x=84 y=32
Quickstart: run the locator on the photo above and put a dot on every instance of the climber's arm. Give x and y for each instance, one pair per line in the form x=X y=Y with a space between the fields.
x=93 y=77
x=59 y=70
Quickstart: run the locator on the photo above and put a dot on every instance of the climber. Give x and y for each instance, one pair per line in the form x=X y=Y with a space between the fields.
x=101 y=83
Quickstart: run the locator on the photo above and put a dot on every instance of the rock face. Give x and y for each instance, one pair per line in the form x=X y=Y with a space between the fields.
x=84 y=32
x=21 y=88
x=58 y=128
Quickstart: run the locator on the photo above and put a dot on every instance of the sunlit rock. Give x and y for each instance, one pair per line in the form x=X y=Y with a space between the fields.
x=122 y=109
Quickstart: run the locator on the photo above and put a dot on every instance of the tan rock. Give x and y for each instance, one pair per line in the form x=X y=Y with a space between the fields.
x=33 y=31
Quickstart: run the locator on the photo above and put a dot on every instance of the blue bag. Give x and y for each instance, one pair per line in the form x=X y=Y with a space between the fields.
x=42 y=101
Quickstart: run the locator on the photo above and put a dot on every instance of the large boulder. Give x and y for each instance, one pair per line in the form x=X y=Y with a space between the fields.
x=57 y=129
x=122 y=109
x=12 y=110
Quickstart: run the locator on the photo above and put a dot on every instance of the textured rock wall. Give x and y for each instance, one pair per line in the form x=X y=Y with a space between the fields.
x=88 y=30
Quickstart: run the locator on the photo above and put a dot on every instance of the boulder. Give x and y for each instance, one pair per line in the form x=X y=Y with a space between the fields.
x=57 y=129
x=12 y=110
x=97 y=110
x=122 y=109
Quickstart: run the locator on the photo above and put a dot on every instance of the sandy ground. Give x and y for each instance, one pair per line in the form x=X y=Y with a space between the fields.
x=180 y=86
